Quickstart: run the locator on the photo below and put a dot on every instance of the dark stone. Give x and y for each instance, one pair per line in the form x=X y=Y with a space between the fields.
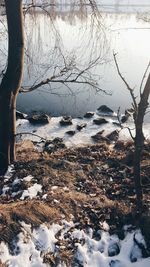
x=81 y=126
x=89 y=114
x=113 y=250
x=100 y=121
x=128 y=113
x=71 y=132
x=105 y=109
x=98 y=137
x=49 y=148
x=115 y=263
x=113 y=136
x=57 y=140
x=39 y=119
x=53 y=145
x=125 y=118
x=20 y=115
x=66 y=120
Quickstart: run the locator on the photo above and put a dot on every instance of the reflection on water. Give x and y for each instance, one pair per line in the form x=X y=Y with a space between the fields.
x=130 y=6
x=74 y=33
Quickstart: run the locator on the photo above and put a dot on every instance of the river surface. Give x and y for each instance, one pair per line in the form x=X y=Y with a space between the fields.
x=74 y=34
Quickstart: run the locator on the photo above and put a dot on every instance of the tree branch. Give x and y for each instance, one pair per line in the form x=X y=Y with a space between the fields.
x=126 y=83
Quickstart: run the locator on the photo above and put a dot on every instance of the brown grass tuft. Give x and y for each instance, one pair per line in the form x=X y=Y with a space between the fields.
x=31 y=212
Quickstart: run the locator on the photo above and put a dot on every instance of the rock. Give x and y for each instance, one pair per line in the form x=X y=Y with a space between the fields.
x=125 y=118
x=57 y=140
x=98 y=137
x=53 y=145
x=20 y=115
x=113 y=136
x=89 y=114
x=71 y=132
x=105 y=109
x=49 y=148
x=100 y=121
x=113 y=250
x=39 y=119
x=66 y=120
x=81 y=126
x=128 y=113
x=115 y=263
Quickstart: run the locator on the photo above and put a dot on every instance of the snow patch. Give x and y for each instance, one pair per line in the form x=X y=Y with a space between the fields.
x=32 y=191
x=9 y=172
x=33 y=244
x=28 y=178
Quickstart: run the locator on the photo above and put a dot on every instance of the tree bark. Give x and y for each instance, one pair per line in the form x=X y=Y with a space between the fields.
x=139 y=141
x=11 y=82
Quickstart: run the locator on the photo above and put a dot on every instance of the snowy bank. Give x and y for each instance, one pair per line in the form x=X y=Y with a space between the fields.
x=34 y=246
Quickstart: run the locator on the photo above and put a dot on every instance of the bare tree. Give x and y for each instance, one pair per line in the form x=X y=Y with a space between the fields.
x=139 y=110
x=11 y=82
x=12 y=77
x=69 y=70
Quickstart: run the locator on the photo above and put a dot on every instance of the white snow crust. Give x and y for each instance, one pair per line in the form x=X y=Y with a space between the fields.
x=32 y=191
x=33 y=244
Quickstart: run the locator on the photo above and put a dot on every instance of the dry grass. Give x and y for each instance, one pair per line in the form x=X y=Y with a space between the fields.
x=26 y=151
x=31 y=212
x=71 y=168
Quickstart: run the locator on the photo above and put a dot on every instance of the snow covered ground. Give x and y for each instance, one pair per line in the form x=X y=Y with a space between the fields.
x=105 y=251
x=89 y=247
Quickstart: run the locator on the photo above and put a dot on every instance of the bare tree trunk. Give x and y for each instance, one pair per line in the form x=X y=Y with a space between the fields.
x=11 y=82
x=4 y=133
x=139 y=113
x=139 y=141
x=13 y=129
